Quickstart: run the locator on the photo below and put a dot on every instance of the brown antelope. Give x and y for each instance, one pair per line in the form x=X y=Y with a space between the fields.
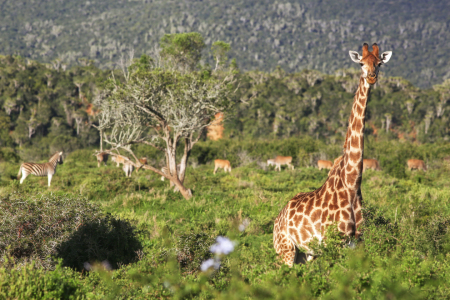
x=324 y=164
x=339 y=200
x=222 y=163
x=416 y=164
x=119 y=159
x=371 y=164
x=102 y=157
x=279 y=161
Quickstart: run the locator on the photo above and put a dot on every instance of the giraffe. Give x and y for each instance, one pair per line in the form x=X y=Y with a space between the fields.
x=307 y=215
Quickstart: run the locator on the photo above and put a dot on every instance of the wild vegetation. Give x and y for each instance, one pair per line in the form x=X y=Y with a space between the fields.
x=45 y=108
x=97 y=234
x=294 y=34
x=403 y=252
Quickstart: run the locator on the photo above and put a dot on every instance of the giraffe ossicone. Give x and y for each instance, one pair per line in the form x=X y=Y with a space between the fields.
x=339 y=200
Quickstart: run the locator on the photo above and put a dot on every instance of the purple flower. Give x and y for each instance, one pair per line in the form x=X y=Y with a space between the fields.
x=223 y=246
x=210 y=263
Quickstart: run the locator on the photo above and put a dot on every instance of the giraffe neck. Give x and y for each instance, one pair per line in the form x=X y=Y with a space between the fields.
x=354 y=142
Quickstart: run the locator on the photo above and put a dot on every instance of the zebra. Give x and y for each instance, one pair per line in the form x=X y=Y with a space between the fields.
x=128 y=167
x=47 y=169
x=165 y=170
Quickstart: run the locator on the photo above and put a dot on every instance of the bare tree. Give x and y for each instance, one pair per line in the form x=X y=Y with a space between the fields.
x=160 y=106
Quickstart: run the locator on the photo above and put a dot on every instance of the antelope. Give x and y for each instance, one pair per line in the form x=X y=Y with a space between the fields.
x=416 y=164
x=46 y=169
x=119 y=159
x=324 y=164
x=371 y=164
x=128 y=168
x=222 y=163
x=102 y=157
x=279 y=161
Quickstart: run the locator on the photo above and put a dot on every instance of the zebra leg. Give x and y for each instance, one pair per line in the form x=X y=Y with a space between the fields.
x=49 y=179
x=24 y=175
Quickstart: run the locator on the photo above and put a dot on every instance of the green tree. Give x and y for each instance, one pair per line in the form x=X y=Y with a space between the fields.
x=163 y=106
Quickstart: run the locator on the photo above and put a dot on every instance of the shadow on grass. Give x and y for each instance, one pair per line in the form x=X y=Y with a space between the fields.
x=109 y=239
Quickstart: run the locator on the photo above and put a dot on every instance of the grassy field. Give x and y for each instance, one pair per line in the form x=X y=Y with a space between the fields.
x=404 y=252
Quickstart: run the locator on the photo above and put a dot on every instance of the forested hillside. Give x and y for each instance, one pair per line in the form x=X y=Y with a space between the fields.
x=44 y=107
x=295 y=35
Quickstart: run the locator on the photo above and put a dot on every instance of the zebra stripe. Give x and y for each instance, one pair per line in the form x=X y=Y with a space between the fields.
x=46 y=169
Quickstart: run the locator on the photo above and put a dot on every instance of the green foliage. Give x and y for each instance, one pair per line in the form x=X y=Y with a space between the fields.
x=34 y=283
x=183 y=49
x=295 y=35
x=34 y=226
x=404 y=251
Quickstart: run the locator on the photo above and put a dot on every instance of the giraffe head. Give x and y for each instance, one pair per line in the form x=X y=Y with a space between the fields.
x=370 y=62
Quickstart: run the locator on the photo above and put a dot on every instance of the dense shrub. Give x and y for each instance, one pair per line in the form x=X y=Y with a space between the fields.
x=32 y=226
x=104 y=239
x=35 y=283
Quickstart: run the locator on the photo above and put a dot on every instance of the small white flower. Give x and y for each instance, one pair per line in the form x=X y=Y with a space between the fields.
x=210 y=263
x=244 y=224
x=223 y=246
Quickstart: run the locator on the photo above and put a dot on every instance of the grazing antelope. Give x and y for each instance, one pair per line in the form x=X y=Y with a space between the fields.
x=271 y=162
x=119 y=159
x=222 y=163
x=279 y=161
x=102 y=157
x=165 y=170
x=416 y=164
x=46 y=169
x=371 y=164
x=324 y=164
x=339 y=200
x=128 y=168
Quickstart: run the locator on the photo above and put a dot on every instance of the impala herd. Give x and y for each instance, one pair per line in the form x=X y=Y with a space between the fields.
x=128 y=167
x=277 y=162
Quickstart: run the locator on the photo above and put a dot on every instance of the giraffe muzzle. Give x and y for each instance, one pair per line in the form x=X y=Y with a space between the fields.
x=372 y=79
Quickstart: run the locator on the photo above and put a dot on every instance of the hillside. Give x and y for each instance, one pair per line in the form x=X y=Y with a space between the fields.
x=295 y=35
x=44 y=108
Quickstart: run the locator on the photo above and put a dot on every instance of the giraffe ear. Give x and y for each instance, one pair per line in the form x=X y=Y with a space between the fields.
x=386 y=56
x=355 y=56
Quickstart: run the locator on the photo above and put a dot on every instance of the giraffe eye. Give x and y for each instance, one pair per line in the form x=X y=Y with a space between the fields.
x=361 y=64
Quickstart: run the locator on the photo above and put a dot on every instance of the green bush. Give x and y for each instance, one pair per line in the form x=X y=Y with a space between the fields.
x=35 y=283
x=33 y=226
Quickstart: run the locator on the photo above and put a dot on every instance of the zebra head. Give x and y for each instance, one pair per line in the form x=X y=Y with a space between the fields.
x=60 y=158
